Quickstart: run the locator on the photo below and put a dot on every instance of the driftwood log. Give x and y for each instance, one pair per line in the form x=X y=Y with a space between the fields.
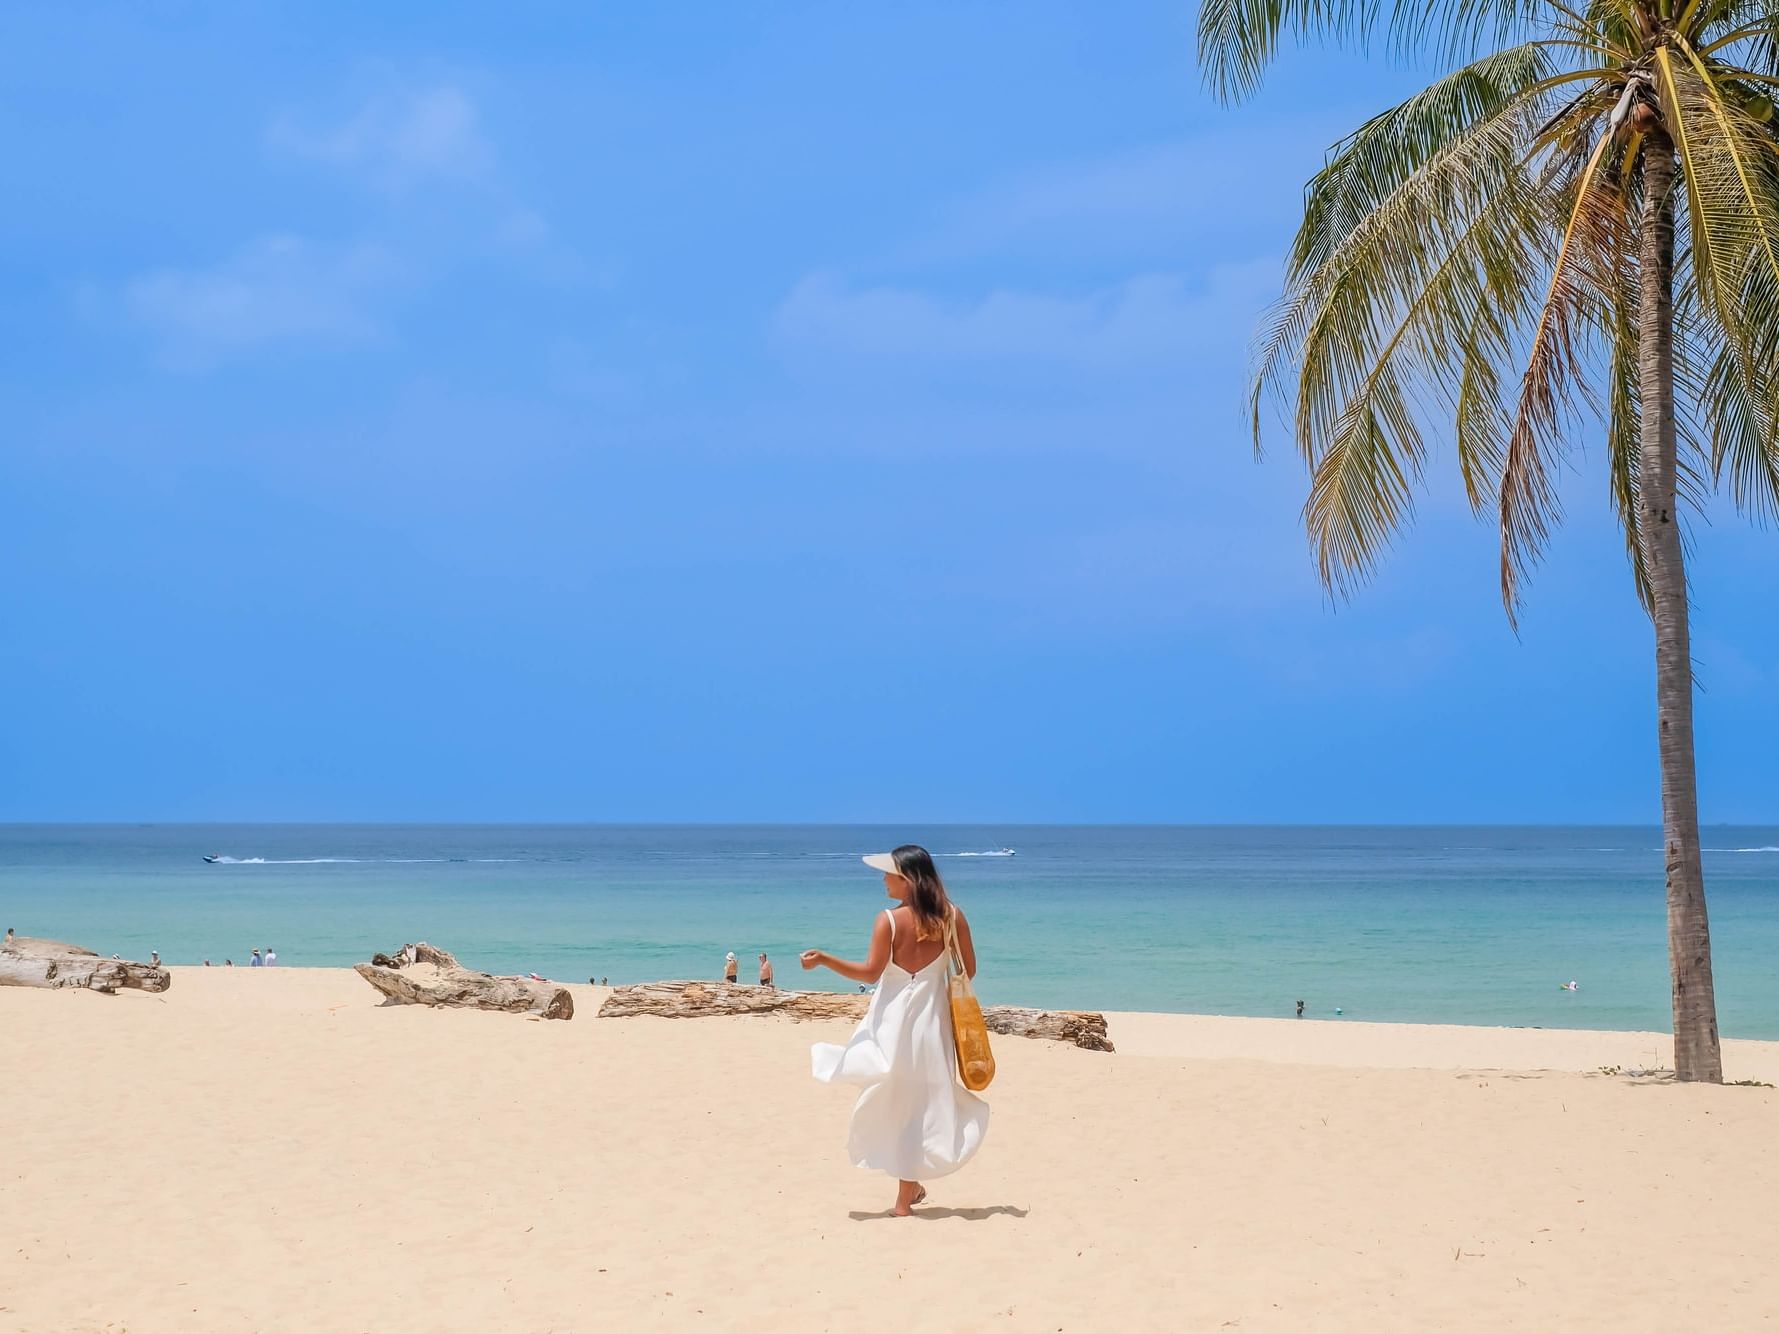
x=701 y=1000
x=423 y=974
x=28 y=962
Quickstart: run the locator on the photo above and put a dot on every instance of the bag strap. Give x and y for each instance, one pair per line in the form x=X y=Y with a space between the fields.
x=952 y=949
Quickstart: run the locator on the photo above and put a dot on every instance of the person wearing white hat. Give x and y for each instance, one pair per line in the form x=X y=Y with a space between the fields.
x=731 y=966
x=913 y=1120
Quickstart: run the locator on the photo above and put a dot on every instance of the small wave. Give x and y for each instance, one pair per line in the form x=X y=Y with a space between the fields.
x=1768 y=848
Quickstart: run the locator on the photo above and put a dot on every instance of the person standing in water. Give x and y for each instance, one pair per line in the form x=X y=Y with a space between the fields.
x=731 y=966
x=913 y=1120
x=765 y=970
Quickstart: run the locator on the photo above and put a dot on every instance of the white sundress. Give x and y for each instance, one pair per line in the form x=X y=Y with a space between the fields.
x=913 y=1120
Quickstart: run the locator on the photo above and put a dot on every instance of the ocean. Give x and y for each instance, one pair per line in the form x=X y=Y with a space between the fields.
x=1429 y=925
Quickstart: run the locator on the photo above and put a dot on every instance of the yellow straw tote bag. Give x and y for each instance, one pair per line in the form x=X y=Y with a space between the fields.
x=975 y=1062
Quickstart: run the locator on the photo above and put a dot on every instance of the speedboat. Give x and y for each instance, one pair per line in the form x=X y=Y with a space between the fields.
x=214 y=857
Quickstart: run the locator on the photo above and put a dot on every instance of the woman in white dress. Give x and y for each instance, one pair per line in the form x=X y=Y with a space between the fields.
x=913 y=1120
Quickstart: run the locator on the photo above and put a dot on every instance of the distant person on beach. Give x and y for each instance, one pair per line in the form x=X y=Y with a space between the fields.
x=271 y=956
x=154 y=958
x=228 y=963
x=730 y=966
x=256 y=961
x=1300 y=1009
x=913 y=1120
x=765 y=970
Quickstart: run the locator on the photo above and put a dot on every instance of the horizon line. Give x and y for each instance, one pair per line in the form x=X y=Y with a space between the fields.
x=874 y=824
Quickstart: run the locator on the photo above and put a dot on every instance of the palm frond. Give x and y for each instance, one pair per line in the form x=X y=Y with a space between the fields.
x=1757 y=24
x=1554 y=368
x=1620 y=22
x=1362 y=487
x=1731 y=178
x=1714 y=269
x=1238 y=39
x=1694 y=334
x=1738 y=397
x=1375 y=349
x=1469 y=259
x=1624 y=437
x=1385 y=254
x=1732 y=194
x=1369 y=165
x=1480 y=422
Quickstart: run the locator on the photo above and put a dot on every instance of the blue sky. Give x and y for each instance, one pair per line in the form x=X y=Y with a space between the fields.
x=784 y=411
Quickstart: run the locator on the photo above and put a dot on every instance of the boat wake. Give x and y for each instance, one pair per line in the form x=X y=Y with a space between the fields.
x=352 y=861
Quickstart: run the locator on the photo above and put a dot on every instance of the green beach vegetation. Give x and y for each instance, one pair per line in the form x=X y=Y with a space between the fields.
x=1572 y=235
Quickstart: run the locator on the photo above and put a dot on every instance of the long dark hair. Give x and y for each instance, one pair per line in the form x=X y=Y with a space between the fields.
x=928 y=899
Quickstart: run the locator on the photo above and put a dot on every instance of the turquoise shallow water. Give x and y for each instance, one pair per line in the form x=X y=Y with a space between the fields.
x=1456 y=925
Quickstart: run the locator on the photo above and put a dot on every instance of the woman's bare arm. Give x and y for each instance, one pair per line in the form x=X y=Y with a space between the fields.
x=965 y=945
x=875 y=960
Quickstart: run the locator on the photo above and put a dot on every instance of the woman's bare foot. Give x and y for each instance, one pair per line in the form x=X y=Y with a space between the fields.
x=909 y=1194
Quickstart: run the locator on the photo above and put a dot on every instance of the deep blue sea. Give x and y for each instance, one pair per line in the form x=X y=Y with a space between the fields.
x=1459 y=925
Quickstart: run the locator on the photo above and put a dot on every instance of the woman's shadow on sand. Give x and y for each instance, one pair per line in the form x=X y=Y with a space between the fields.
x=974 y=1215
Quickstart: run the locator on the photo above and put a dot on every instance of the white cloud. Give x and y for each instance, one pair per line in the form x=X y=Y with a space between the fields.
x=409 y=138
x=575 y=369
x=1136 y=326
x=279 y=289
x=1197 y=561
x=399 y=139
x=1231 y=183
x=522 y=228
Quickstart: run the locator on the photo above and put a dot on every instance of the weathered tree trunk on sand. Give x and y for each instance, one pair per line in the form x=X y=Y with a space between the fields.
x=1697 y=1054
x=27 y=962
x=425 y=975
x=703 y=1000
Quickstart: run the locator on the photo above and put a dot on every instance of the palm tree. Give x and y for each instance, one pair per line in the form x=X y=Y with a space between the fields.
x=1500 y=252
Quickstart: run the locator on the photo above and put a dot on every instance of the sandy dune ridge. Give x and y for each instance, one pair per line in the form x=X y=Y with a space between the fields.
x=274 y=1150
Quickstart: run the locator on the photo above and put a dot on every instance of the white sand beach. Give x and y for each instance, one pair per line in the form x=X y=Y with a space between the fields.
x=275 y=1150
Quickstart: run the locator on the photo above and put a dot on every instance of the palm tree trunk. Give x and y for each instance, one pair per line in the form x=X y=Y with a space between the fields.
x=1696 y=1050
